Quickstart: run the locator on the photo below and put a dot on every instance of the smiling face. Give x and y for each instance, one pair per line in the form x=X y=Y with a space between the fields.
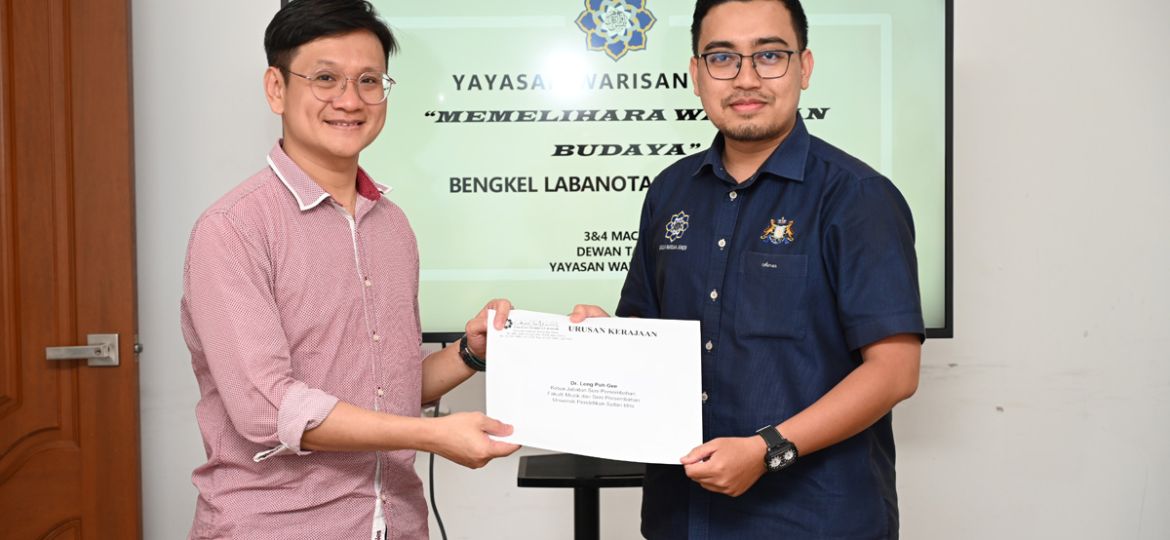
x=748 y=108
x=328 y=134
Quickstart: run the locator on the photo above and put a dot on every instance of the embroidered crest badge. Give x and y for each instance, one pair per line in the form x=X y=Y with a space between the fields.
x=780 y=232
x=615 y=26
x=677 y=225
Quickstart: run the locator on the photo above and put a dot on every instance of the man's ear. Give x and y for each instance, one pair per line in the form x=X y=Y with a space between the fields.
x=694 y=68
x=806 y=68
x=275 y=87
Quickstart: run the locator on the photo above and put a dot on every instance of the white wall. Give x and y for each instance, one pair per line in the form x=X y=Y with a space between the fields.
x=201 y=126
x=1045 y=417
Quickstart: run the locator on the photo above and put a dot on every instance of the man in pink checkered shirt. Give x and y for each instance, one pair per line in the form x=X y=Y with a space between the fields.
x=300 y=308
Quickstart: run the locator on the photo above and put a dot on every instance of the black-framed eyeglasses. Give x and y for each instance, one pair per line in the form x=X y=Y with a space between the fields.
x=372 y=87
x=724 y=65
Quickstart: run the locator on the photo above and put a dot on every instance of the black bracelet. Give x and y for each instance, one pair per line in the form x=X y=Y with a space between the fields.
x=469 y=358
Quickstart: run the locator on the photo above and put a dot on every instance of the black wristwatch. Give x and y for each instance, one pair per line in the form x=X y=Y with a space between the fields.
x=781 y=452
x=469 y=358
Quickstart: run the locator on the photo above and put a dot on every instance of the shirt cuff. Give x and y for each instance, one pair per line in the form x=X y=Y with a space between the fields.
x=302 y=409
x=874 y=330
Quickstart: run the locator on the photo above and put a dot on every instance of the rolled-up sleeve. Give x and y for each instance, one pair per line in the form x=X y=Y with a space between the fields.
x=235 y=329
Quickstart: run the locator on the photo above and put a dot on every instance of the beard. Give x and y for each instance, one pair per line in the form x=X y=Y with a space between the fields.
x=751 y=132
x=755 y=128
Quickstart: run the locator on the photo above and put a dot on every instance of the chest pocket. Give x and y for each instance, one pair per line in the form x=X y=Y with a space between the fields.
x=772 y=295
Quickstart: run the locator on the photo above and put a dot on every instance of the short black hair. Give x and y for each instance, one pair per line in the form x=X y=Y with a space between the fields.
x=799 y=21
x=301 y=21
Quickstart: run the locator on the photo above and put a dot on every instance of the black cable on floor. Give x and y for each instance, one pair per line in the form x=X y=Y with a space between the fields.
x=431 y=480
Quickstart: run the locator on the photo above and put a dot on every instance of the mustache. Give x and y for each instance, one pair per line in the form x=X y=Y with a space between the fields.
x=746 y=96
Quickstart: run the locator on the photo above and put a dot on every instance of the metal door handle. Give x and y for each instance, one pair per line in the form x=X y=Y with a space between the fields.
x=102 y=351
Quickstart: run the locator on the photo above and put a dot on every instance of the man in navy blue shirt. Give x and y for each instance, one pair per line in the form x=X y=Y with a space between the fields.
x=799 y=262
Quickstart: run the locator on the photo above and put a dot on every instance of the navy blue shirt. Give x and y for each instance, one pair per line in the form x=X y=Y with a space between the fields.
x=789 y=273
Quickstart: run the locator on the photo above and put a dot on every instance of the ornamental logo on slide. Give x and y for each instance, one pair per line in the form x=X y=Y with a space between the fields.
x=615 y=26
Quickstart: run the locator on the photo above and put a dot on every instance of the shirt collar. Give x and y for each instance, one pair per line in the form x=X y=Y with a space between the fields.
x=307 y=192
x=787 y=161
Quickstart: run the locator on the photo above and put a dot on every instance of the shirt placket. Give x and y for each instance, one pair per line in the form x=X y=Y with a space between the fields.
x=373 y=333
x=713 y=300
x=726 y=214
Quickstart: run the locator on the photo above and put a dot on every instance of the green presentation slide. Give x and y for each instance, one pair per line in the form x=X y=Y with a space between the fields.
x=522 y=136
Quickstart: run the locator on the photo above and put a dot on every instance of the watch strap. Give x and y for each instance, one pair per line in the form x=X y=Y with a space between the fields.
x=781 y=453
x=772 y=437
x=469 y=357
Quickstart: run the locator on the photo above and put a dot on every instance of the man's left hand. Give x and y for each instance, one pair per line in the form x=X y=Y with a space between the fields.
x=729 y=465
x=477 y=327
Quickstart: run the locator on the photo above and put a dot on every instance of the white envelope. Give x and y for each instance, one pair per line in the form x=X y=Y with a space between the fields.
x=615 y=388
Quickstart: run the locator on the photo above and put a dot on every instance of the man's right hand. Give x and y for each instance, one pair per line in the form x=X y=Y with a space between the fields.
x=463 y=438
x=585 y=311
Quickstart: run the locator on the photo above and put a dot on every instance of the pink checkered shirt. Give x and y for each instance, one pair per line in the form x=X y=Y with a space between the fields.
x=290 y=305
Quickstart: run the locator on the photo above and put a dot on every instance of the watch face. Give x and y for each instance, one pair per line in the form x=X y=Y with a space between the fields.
x=780 y=458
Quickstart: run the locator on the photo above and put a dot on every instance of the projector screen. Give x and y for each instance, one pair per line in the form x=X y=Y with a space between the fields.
x=521 y=136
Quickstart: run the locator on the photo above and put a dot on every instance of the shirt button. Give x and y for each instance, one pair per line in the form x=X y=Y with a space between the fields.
x=383 y=497
x=722 y=243
x=709 y=346
x=714 y=295
x=369 y=283
x=704 y=397
x=733 y=195
x=377 y=337
x=380 y=392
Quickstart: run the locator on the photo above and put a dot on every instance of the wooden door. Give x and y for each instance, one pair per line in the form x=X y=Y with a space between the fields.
x=69 y=458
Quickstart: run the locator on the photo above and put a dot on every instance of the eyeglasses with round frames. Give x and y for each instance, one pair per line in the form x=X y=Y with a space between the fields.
x=725 y=65
x=372 y=87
